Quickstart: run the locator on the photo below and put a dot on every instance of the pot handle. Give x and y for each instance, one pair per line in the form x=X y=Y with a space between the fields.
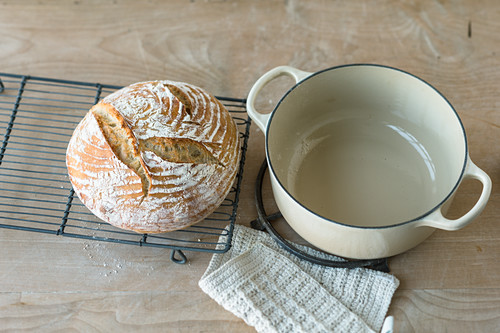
x=437 y=220
x=261 y=119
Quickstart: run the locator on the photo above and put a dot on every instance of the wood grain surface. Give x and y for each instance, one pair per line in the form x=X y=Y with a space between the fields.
x=449 y=283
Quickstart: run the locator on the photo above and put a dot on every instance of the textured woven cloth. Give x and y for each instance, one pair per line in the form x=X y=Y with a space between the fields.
x=274 y=291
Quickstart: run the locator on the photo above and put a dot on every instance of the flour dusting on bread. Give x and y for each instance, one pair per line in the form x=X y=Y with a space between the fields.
x=154 y=156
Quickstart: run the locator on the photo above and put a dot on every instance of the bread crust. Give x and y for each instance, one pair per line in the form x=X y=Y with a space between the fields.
x=154 y=157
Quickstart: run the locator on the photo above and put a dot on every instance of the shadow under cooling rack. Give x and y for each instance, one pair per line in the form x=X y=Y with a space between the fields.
x=37 y=118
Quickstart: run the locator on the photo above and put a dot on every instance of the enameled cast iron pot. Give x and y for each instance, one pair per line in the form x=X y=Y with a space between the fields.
x=365 y=159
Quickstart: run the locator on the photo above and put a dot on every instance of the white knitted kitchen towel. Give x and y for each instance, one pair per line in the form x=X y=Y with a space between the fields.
x=275 y=291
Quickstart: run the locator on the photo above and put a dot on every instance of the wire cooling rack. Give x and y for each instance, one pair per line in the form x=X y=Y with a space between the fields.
x=37 y=118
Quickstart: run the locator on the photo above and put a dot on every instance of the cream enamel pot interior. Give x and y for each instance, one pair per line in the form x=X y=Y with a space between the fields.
x=365 y=159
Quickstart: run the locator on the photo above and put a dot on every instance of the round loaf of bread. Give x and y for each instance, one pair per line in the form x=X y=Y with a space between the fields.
x=154 y=156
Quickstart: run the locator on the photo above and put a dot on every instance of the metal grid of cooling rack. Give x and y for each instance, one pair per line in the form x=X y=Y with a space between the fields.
x=37 y=118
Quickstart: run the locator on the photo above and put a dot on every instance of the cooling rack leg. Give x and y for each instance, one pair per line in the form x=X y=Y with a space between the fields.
x=182 y=256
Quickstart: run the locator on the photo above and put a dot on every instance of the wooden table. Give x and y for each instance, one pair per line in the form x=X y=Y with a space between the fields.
x=451 y=282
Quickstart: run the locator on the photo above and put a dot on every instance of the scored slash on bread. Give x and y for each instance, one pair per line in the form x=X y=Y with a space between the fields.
x=127 y=148
x=179 y=150
x=154 y=156
x=122 y=141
